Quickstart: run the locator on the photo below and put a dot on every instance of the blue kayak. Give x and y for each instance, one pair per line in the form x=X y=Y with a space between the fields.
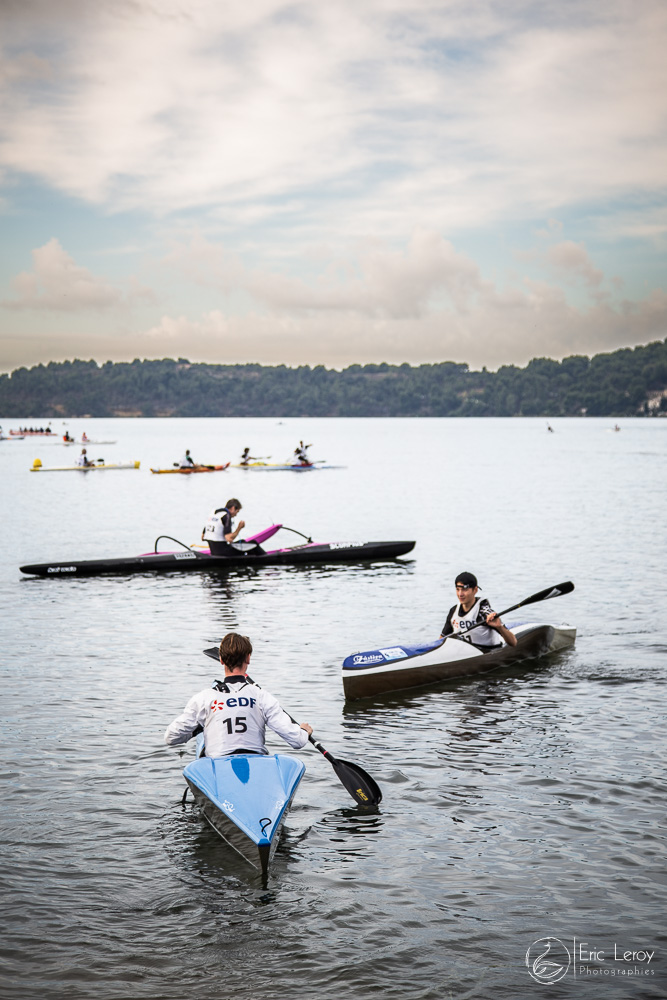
x=246 y=798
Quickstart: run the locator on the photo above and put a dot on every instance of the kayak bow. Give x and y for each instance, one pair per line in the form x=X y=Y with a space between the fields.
x=246 y=798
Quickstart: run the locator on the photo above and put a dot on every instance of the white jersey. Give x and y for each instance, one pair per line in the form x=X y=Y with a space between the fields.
x=82 y=460
x=483 y=635
x=214 y=529
x=234 y=719
x=186 y=462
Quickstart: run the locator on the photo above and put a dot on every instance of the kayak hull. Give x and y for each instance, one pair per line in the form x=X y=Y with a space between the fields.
x=97 y=467
x=189 y=561
x=246 y=799
x=191 y=470
x=273 y=467
x=397 y=668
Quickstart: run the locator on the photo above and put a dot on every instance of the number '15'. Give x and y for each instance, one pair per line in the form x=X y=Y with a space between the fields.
x=237 y=725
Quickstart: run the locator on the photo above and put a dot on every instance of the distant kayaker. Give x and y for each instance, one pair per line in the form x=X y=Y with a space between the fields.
x=472 y=610
x=83 y=459
x=84 y=437
x=234 y=713
x=68 y=438
x=246 y=457
x=218 y=530
x=187 y=461
x=301 y=453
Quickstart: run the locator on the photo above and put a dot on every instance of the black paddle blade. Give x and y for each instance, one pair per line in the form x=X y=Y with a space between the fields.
x=544 y=595
x=213 y=652
x=358 y=783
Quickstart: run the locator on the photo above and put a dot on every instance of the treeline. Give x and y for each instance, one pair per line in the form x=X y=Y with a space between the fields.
x=627 y=382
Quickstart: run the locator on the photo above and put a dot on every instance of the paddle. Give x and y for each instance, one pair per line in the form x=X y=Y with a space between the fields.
x=542 y=595
x=358 y=782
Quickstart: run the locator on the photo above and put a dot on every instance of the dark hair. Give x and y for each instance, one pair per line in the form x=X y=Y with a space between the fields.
x=234 y=649
x=467 y=579
x=234 y=503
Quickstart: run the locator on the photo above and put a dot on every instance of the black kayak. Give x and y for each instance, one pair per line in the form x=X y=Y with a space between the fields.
x=246 y=553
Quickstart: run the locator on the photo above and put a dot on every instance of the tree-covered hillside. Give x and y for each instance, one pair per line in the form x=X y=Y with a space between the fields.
x=625 y=382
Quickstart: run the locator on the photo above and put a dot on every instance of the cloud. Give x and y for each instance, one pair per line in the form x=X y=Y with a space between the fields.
x=58 y=283
x=405 y=113
x=425 y=303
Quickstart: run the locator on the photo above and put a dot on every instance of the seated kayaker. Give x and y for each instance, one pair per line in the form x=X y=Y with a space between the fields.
x=246 y=457
x=187 y=461
x=473 y=610
x=234 y=713
x=83 y=459
x=218 y=531
x=301 y=453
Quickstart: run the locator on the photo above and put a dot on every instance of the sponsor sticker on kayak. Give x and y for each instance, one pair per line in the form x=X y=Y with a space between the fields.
x=368 y=658
x=395 y=653
x=346 y=545
x=184 y=555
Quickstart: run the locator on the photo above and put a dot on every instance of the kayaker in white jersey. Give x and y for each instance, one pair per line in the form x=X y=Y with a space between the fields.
x=187 y=461
x=472 y=610
x=218 y=531
x=234 y=713
x=246 y=457
x=301 y=453
x=83 y=459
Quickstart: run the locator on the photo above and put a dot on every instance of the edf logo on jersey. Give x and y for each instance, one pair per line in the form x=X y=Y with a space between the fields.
x=233 y=703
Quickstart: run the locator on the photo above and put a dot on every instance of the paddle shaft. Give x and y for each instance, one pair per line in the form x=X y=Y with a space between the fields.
x=542 y=595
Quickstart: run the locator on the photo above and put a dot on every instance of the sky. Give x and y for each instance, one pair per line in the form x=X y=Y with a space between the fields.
x=336 y=183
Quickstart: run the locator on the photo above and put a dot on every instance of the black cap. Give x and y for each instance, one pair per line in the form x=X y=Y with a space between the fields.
x=467 y=579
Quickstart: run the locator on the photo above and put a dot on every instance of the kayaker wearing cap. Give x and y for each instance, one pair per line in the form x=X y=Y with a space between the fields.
x=472 y=610
x=218 y=530
x=234 y=713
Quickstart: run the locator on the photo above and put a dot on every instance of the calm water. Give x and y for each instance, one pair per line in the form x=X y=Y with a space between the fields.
x=524 y=804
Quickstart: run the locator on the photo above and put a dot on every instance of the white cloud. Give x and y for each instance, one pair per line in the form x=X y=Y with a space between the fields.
x=58 y=283
x=425 y=303
x=406 y=113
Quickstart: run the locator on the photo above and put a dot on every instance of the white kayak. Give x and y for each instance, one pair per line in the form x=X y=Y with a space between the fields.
x=99 y=466
x=395 y=668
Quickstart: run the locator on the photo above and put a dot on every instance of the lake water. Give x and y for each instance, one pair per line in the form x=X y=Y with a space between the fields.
x=519 y=805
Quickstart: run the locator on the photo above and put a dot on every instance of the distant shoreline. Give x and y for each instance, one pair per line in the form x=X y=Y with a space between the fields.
x=627 y=382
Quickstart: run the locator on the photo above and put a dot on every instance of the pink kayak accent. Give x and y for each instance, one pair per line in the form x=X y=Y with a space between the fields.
x=262 y=536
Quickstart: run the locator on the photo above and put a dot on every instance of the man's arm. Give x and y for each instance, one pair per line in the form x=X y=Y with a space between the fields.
x=279 y=721
x=183 y=727
x=447 y=627
x=494 y=622
x=231 y=535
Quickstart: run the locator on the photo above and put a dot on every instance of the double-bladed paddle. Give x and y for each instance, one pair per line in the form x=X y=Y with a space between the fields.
x=358 y=782
x=542 y=595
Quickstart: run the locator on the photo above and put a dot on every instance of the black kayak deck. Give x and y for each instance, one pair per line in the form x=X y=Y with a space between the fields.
x=191 y=560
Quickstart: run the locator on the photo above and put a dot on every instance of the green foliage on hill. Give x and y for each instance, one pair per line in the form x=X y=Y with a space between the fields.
x=622 y=383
